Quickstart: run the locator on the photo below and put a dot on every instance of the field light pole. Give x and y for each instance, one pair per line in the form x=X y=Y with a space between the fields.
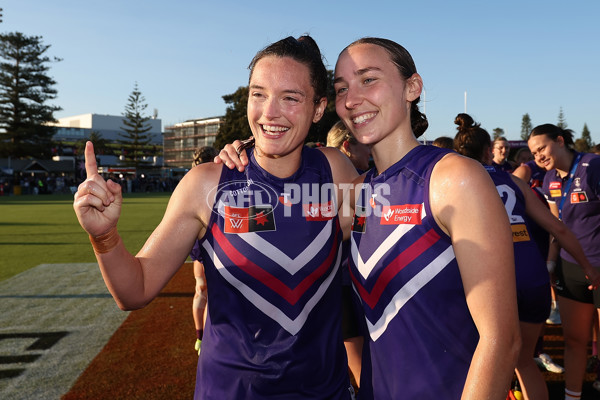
x=465 y=101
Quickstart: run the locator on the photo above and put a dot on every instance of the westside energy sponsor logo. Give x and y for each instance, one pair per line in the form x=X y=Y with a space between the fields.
x=401 y=214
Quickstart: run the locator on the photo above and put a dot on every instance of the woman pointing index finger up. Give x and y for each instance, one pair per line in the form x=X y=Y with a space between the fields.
x=274 y=287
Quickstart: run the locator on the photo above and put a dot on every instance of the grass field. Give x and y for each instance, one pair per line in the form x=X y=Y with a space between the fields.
x=44 y=229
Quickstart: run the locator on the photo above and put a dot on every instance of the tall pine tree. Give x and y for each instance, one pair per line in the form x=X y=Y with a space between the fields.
x=526 y=127
x=562 y=122
x=584 y=144
x=497 y=132
x=25 y=89
x=135 y=139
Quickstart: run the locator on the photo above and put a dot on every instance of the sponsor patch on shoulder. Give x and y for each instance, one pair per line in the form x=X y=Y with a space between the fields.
x=579 y=197
x=555 y=185
x=555 y=193
x=520 y=233
x=401 y=214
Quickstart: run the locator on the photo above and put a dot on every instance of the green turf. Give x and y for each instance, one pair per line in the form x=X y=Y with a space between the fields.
x=44 y=229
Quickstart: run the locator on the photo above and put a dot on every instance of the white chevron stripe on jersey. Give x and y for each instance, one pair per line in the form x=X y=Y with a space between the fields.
x=291 y=265
x=292 y=326
x=365 y=268
x=408 y=291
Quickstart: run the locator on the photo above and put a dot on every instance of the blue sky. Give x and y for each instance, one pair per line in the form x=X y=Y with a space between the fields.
x=511 y=57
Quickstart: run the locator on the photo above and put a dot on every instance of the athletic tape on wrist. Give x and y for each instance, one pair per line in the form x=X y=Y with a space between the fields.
x=105 y=243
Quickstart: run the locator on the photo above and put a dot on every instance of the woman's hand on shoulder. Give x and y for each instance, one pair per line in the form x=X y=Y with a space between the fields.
x=233 y=156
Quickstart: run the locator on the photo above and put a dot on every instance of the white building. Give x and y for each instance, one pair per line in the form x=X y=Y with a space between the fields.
x=79 y=127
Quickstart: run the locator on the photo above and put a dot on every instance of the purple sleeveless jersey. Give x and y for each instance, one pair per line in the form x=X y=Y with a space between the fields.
x=274 y=288
x=530 y=265
x=581 y=208
x=537 y=174
x=421 y=334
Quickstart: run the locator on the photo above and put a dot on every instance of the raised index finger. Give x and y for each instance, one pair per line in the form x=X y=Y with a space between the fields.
x=91 y=168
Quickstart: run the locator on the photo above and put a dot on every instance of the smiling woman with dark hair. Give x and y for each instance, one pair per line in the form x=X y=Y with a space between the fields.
x=572 y=187
x=273 y=328
x=533 y=284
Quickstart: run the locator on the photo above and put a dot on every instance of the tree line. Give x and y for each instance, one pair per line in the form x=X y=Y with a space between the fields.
x=26 y=112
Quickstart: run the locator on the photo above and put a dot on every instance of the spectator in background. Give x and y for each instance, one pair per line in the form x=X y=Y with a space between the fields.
x=444 y=142
x=358 y=153
x=500 y=151
x=522 y=156
x=204 y=154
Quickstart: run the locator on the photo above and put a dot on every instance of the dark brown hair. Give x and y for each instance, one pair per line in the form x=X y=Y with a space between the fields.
x=303 y=50
x=553 y=132
x=471 y=140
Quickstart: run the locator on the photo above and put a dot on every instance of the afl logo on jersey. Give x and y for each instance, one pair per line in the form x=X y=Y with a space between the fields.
x=243 y=194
